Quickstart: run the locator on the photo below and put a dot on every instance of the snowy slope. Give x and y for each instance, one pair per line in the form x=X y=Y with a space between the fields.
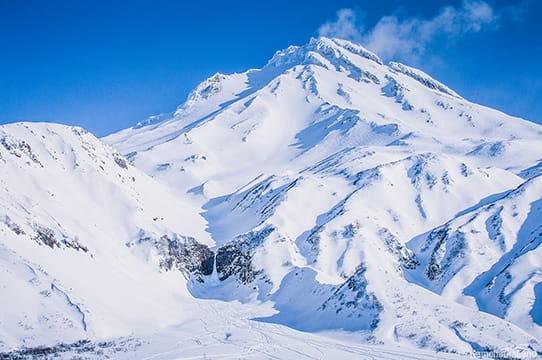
x=315 y=173
x=326 y=192
x=489 y=257
x=85 y=242
x=309 y=102
x=69 y=209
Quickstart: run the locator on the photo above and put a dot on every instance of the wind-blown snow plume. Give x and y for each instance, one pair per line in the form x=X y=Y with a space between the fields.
x=407 y=39
x=345 y=27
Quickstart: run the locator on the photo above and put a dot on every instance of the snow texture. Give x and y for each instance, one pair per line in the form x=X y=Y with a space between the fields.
x=325 y=206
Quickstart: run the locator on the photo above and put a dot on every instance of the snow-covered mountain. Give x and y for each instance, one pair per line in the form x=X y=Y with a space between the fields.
x=86 y=244
x=72 y=211
x=321 y=174
x=326 y=192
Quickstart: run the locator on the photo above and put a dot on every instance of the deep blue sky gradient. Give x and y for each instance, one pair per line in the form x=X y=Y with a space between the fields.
x=105 y=65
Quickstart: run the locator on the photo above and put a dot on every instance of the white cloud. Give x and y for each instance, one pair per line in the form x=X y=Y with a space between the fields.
x=345 y=27
x=407 y=39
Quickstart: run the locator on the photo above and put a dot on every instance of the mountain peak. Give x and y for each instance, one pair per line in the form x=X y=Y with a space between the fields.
x=311 y=53
x=340 y=45
x=326 y=51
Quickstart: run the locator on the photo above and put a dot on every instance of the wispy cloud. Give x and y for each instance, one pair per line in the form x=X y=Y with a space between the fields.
x=345 y=27
x=409 y=38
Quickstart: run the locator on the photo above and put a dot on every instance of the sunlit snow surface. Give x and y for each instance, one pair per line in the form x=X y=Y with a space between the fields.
x=356 y=210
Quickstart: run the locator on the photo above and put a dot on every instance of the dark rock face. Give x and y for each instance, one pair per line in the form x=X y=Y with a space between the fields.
x=82 y=349
x=186 y=255
x=235 y=258
x=353 y=299
x=13 y=226
x=434 y=240
x=405 y=256
x=231 y=260
x=19 y=148
x=433 y=270
x=448 y=248
x=46 y=236
x=198 y=260
x=74 y=244
x=121 y=162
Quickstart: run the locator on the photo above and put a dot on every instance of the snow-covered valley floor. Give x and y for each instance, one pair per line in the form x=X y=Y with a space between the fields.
x=226 y=330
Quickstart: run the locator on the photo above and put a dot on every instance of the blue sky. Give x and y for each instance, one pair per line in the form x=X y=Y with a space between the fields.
x=105 y=65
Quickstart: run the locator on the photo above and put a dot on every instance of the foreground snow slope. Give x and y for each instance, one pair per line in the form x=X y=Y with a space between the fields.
x=319 y=174
x=221 y=330
x=70 y=208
